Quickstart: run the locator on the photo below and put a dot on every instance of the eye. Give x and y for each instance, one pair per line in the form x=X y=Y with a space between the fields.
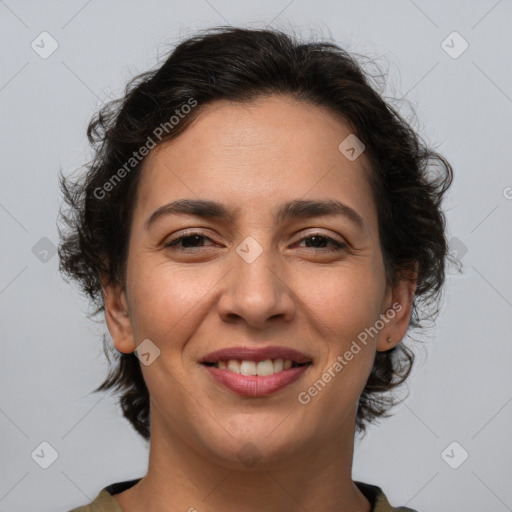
x=317 y=240
x=189 y=241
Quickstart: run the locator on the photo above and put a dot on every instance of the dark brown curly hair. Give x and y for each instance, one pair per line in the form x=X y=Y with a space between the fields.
x=240 y=65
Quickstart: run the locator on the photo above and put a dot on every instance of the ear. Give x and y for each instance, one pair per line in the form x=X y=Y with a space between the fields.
x=117 y=317
x=397 y=310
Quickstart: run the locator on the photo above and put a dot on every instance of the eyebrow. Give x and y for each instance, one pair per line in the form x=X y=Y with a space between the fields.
x=296 y=209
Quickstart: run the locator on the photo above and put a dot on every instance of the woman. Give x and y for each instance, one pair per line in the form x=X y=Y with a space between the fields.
x=260 y=230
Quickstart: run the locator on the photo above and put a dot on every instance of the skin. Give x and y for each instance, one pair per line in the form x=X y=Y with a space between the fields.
x=252 y=157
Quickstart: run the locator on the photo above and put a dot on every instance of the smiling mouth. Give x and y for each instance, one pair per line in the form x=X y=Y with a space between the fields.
x=261 y=368
x=256 y=378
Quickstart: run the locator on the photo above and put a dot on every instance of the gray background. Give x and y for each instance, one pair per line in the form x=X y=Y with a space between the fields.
x=461 y=389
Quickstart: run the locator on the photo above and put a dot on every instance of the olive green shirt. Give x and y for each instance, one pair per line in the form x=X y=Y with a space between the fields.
x=104 y=502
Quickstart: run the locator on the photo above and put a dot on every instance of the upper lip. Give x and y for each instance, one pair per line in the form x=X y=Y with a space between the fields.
x=256 y=354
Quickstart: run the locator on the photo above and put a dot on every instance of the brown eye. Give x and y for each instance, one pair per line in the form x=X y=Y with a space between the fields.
x=318 y=241
x=187 y=241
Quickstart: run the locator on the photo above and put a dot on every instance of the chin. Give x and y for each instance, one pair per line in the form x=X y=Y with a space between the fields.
x=256 y=445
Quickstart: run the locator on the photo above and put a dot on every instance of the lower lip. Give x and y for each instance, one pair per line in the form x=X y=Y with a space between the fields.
x=255 y=385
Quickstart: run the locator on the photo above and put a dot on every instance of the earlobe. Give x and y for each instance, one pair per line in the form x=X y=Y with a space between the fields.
x=398 y=313
x=118 y=318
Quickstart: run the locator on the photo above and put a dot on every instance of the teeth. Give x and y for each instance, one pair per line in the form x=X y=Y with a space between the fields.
x=263 y=368
x=248 y=368
x=234 y=366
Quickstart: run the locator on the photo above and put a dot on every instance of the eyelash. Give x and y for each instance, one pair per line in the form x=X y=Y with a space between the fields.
x=173 y=243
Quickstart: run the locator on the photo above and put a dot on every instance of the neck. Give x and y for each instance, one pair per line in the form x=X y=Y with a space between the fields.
x=181 y=478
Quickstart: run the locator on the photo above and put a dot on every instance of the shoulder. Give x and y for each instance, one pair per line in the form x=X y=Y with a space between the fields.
x=104 y=502
x=378 y=499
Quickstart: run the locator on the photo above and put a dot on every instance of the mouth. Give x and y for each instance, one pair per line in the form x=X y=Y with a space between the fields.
x=250 y=368
x=256 y=372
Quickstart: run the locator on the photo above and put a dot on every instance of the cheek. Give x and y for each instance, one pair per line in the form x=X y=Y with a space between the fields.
x=344 y=305
x=345 y=301
x=166 y=301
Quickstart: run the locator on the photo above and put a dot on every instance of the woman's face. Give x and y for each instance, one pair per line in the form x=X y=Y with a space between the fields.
x=255 y=280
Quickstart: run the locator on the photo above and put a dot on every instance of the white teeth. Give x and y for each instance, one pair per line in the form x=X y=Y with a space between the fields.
x=248 y=368
x=234 y=366
x=278 y=365
x=263 y=368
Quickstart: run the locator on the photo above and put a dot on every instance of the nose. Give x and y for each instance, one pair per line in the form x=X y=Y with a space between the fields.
x=257 y=292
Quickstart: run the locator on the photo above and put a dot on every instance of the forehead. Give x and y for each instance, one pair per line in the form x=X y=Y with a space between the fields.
x=255 y=154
